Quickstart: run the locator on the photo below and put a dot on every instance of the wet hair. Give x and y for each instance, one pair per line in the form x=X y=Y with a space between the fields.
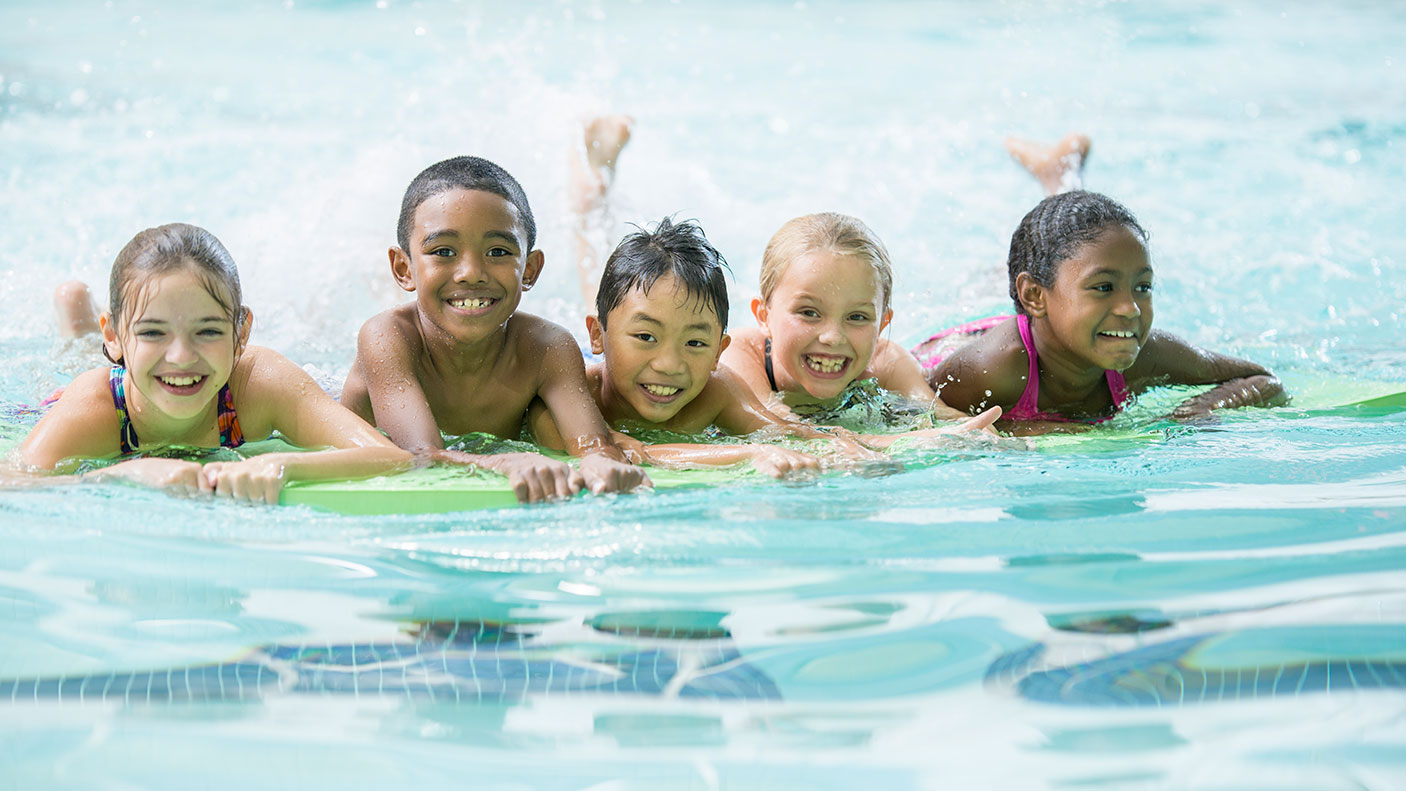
x=678 y=249
x=840 y=234
x=465 y=173
x=171 y=248
x=1056 y=229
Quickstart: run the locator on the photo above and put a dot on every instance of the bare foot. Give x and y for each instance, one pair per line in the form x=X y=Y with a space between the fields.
x=1058 y=168
x=592 y=166
x=589 y=175
x=78 y=314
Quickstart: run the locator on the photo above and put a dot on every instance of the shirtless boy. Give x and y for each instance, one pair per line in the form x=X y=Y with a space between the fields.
x=461 y=358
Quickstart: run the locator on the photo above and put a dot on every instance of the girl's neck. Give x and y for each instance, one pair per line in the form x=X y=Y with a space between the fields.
x=158 y=429
x=1064 y=379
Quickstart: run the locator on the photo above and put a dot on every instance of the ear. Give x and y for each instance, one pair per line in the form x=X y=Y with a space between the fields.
x=401 y=269
x=759 y=310
x=1031 y=295
x=722 y=347
x=884 y=322
x=111 y=344
x=597 y=332
x=533 y=269
x=241 y=336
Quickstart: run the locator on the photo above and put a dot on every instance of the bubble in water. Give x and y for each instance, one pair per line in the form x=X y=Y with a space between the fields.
x=988 y=395
x=1352 y=156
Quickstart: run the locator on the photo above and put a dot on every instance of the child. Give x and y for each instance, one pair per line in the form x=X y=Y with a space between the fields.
x=660 y=321
x=826 y=282
x=1082 y=341
x=461 y=358
x=182 y=375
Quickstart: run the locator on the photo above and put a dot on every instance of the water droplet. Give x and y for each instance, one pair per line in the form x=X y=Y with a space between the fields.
x=988 y=395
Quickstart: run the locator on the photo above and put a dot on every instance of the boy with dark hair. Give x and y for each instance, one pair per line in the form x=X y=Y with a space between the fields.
x=461 y=358
x=661 y=312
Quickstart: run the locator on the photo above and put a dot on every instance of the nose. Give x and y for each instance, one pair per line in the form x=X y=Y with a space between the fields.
x=470 y=270
x=667 y=361
x=180 y=351
x=1127 y=306
x=830 y=334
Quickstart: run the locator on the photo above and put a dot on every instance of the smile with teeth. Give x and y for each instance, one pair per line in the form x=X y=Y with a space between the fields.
x=826 y=364
x=181 y=381
x=472 y=303
x=661 y=391
x=1119 y=333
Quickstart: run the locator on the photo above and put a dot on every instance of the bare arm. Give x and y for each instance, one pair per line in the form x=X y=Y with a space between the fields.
x=1167 y=359
x=280 y=395
x=580 y=426
x=899 y=372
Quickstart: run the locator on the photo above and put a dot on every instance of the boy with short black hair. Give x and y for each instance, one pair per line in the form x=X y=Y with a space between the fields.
x=661 y=312
x=461 y=358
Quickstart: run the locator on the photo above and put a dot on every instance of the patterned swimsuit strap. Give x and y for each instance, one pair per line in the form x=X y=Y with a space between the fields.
x=127 y=441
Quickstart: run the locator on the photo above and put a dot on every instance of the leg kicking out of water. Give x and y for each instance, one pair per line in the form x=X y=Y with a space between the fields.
x=77 y=312
x=1059 y=167
x=591 y=172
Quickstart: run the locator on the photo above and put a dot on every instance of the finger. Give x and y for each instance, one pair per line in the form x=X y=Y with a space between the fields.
x=983 y=420
x=519 y=487
x=272 y=488
x=563 y=483
x=533 y=484
x=207 y=478
x=578 y=481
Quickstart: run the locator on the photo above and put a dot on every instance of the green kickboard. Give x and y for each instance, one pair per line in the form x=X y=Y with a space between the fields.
x=444 y=489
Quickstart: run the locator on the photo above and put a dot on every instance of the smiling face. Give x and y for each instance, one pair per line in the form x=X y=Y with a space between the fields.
x=467 y=263
x=824 y=318
x=179 y=345
x=1099 y=310
x=660 y=348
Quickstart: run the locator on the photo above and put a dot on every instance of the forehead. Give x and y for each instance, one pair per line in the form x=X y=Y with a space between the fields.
x=824 y=274
x=177 y=293
x=1117 y=249
x=468 y=212
x=668 y=302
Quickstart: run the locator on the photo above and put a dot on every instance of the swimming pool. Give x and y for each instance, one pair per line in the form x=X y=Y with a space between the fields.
x=1159 y=608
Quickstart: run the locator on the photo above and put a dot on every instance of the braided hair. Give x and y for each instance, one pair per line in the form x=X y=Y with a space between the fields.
x=1058 y=226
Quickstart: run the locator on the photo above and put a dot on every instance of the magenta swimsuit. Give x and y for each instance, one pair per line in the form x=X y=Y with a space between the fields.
x=1028 y=406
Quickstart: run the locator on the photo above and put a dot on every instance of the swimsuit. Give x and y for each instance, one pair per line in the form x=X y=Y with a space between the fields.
x=231 y=436
x=1027 y=408
x=770 y=373
x=932 y=351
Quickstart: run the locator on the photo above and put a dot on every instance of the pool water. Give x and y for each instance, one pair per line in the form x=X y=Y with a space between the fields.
x=1219 y=605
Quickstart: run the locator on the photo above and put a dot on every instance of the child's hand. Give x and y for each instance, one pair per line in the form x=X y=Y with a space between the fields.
x=536 y=478
x=783 y=463
x=256 y=480
x=982 y=422
x=174 y=475
x=604 y=474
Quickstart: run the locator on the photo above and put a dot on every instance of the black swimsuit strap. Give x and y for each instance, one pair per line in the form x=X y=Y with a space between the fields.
x=770 y=374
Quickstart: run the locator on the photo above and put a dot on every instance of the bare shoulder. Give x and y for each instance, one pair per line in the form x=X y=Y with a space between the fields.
x=391 y=330
x=83 y=423
x=991 y=369
x=532 y=331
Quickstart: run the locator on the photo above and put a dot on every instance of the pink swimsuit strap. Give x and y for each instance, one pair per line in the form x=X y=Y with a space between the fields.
x=930 y=353
x=1028 y=407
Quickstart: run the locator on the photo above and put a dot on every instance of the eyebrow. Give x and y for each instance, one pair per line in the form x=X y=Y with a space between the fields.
x=1105 y=271
x=642 y=316
x=451 y=234
x=206 y=319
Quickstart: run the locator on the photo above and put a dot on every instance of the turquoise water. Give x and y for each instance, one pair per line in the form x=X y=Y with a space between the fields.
x=1158 y=606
